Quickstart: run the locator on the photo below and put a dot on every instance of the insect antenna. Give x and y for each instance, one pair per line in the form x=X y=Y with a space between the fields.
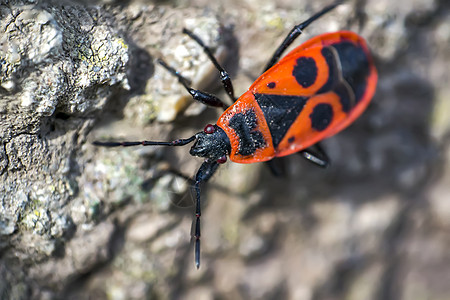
x=178 y=142
x=296 y=31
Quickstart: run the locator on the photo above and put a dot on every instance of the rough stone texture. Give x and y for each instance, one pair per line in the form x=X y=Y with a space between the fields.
x=80 y=222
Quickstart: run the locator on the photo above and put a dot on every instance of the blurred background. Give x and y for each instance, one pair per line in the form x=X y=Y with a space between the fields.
x=116 y=225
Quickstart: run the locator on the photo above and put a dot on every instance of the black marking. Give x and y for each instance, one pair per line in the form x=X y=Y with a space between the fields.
x=355 y=66
x=280 y=112
x=305 y=71
x=336 y=81
x=344 y=97
x=244 y=125
x=291 y=140
x=321 y=116
x=333 y=75
x=271 y=85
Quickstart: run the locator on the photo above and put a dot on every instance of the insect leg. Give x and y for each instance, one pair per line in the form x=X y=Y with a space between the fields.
x=200 y=96
x=224 y=77
x=316 y=156
x=277 y=166
x=206 y=171
x=295 y=32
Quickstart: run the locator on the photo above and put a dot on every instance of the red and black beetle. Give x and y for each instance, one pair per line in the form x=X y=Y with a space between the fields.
x=312 y=93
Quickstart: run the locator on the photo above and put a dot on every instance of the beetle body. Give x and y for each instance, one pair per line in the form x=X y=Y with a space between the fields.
x=314 y=92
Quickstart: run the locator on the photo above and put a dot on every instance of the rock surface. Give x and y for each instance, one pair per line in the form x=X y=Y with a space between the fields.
x=81 y=222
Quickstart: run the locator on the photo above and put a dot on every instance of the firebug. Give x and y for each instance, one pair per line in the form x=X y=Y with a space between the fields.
x=312 y=93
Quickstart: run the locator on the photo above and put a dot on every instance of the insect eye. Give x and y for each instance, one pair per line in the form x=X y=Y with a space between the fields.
x=222 y=160
x=209 y=129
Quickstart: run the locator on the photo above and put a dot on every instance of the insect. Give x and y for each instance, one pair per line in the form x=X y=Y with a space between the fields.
x=312 y=93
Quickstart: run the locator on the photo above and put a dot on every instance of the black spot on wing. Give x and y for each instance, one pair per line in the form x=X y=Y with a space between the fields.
x=345 y=97
x=305 y=71
x=321 y=116
x=244 y=125
x=335 y=82
x=280 y=112
x=271 y=85
x=355 y=66
x=333 y=75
